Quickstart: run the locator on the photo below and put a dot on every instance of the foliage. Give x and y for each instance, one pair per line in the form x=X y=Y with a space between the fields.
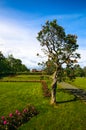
x=79 y=72
x=60 y=50
x=84 y=70
x=14 y=120
x=11 y=65
x=4 y=65
x=49 y=67
x=59 y=47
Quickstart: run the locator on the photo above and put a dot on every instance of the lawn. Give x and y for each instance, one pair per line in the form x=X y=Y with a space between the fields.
x=79 y=82
x=25 y=78
x=17 y=95
x=69 y=114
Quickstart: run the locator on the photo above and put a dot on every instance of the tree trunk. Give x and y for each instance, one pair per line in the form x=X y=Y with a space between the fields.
x=53 y=90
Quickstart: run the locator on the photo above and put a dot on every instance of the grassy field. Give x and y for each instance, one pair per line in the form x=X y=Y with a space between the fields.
x=17 y=95
x=69 y=114
x=79 y=82
x=25 y=78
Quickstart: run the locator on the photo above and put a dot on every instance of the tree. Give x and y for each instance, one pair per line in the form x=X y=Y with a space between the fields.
x=79 y=72
x=3 y=64
x=49 y=67
x=60 y=48
x=84 y=69
x=10 y=65
x=16 y=65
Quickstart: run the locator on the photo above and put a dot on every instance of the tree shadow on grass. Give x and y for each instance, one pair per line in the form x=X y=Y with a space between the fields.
x=67 y=101
x=79 y=93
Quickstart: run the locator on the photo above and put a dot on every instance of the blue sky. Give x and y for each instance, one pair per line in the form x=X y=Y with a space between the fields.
x=21 y=20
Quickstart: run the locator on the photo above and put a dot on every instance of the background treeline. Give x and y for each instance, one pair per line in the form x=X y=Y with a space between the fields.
x=76 y=71
x=11 y=65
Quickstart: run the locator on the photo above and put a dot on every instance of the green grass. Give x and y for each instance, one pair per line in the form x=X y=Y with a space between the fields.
x=69 y=114
x=17 y=95
x=79 y=82
x=25 y=77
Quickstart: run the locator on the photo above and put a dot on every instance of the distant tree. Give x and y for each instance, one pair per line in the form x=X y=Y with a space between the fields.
x=84 y=69
x=11 y=65
x=79 y=72
x=60 y=49
x=2 y=62
x=16 y=64
x=4 y=66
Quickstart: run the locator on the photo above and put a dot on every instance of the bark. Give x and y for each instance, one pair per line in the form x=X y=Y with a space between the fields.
x=53 y=90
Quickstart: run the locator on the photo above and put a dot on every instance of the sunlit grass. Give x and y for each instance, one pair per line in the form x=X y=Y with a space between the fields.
x=69 y=114
x=79 y=82
x=17 y=95
x=25 y=77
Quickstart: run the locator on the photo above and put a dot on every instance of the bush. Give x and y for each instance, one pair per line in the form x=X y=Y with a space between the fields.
x=16 y=119
x=46 y=91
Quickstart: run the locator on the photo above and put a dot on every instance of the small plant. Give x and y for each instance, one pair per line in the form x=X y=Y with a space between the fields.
x=45 y=89
x=16 y=119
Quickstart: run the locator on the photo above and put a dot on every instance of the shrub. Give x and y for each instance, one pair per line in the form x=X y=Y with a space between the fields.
x=46 y=91
x=16 y=119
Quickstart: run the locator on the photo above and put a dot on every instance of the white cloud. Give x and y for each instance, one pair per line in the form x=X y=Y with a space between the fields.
x=19 y=41
x=19 y=38
x=82 y=60
x=82 y=51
